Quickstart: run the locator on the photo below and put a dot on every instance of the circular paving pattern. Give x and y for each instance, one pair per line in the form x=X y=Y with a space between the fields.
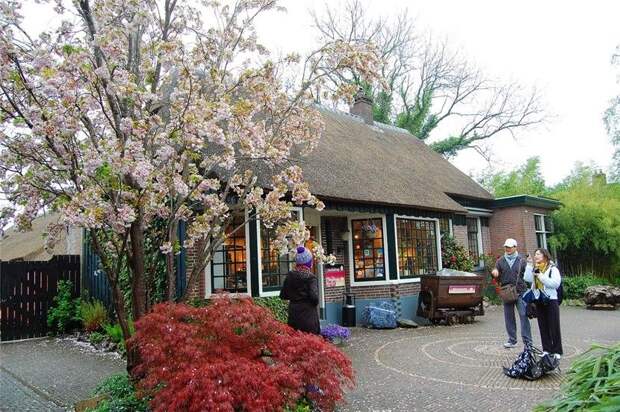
x=464 y=360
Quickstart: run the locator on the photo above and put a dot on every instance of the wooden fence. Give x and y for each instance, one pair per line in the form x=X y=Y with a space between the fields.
x=27 y=290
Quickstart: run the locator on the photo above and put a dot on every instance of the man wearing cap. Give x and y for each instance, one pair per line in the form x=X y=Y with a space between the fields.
x=301 y=288
x=509 y=270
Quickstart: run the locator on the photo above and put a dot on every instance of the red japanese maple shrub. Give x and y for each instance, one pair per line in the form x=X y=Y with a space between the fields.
x=233 y=355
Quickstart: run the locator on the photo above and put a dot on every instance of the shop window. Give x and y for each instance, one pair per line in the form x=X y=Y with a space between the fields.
x=444 y=226
x=544 y=227
x=368 y=250
x=473 y=238
x=417 y=247
x=229 y=264
x=274 y=266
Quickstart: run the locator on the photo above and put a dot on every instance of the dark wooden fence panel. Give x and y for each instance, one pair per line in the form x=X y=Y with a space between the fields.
x=27 y=290
x=94 y=280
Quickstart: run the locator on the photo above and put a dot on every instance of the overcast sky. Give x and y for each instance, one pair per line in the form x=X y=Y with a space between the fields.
x=562 y=47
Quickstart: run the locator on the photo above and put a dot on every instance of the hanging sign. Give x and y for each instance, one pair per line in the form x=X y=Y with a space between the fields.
x=334 y=276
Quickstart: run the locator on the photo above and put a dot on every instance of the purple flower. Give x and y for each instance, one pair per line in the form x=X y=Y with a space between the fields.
x=333 y=332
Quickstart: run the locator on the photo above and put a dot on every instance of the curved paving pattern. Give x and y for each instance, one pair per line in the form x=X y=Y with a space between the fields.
x=462 y=359
x=458 y=368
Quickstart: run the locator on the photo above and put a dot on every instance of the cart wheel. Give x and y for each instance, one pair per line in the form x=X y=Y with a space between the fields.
x=470 y=319
x=452 y=320
x=426 y=306
x=435 y=321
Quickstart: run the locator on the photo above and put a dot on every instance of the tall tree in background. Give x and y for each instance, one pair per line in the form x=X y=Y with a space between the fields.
x=132 y=116
x=612 y=122
x=525 y=180
x=427 y=85
x=586 y=233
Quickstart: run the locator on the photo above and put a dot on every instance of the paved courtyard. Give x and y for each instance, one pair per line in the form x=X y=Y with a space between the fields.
x=442 y=368
x=459 y=368
x=50 y=374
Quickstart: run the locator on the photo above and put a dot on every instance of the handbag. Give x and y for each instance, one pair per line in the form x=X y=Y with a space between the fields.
x=530 y=310
x=508 y=293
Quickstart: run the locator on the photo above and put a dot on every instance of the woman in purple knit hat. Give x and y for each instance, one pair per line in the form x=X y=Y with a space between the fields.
x=301 y=288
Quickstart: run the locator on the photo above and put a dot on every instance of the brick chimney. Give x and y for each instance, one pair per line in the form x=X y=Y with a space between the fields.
x=362 y=106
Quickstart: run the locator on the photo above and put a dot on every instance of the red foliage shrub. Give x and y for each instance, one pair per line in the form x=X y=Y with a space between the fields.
x=213 y=358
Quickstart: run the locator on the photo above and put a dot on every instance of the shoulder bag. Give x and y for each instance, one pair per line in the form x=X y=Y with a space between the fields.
x=508 y=293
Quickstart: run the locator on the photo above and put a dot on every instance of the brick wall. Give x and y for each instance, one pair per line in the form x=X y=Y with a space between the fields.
x=529 y=229
x=197 y=288
x=514 y=222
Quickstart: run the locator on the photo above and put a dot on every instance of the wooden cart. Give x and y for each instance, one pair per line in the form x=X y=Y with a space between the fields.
x=451 y=296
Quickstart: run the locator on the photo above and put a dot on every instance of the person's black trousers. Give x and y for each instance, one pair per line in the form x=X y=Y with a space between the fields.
x=549 y=325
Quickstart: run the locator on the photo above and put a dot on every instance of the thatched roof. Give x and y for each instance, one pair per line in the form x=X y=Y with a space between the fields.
x=383 y=164
x=29 y=245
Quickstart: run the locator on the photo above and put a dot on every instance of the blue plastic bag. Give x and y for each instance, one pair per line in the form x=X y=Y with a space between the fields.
x=381 y=315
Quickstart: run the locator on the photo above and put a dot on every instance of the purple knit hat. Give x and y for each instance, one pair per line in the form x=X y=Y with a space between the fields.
x=304 y=257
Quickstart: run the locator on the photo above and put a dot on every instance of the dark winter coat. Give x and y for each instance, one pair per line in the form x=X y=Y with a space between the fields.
x=302 y=290
x=512 y=275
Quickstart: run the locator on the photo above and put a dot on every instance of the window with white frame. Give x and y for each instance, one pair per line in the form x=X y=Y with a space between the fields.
x=274 y=267
x=473 y=238
x=544 y=227
x=417 y=247
x=445 y=226
x=368 y=249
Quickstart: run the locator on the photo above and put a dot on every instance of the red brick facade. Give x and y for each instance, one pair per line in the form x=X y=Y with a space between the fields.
x=515 y=222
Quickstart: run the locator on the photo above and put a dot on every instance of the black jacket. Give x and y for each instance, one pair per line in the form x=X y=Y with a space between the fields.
x=512 y=275
x=302 y=290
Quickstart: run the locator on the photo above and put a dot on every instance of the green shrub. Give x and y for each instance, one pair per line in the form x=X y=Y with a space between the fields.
x=93 y=314
x=96 y=337
x=592 y=383
x=121 y=396
x=575 y=286
x=277 y=306
x=63 y=314
x=198 y=302
x=455 y=256
x=115 y=333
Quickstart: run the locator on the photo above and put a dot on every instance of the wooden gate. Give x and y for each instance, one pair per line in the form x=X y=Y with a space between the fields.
x=27 y=290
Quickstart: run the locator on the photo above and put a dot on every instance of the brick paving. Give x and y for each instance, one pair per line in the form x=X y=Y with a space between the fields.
x=443 y=368
x=50 y=374
x=459 y=368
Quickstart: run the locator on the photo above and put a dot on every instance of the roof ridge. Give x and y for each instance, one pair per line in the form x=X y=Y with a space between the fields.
x=359 y=119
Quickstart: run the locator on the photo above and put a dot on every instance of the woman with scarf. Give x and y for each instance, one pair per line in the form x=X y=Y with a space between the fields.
x=301 y=288
x=546 y=279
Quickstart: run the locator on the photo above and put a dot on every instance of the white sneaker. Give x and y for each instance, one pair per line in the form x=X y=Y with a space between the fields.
x=509 y=345
x=557 y=356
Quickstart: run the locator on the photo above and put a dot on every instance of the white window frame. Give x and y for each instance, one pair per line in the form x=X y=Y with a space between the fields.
x=437 y=241
x=386 y=261
x=259 y=241
x=248 y=270
x=544 y=230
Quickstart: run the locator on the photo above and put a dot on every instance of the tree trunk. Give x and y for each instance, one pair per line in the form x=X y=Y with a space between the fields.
x=138 y=286
x=171 y=273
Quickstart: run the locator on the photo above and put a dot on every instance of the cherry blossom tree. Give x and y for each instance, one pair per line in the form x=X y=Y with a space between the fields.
x=136 y=114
